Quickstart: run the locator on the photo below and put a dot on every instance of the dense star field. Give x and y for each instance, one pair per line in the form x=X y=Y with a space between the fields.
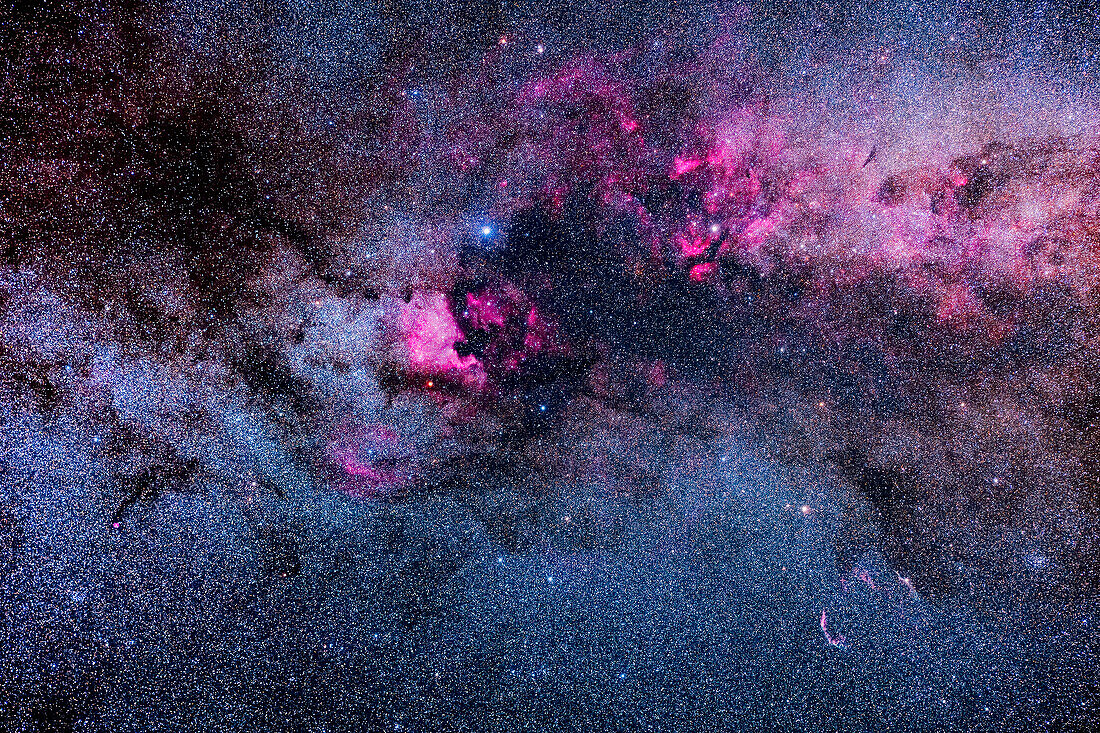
x=504 y=366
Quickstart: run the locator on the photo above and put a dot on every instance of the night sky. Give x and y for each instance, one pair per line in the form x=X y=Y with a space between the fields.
x=532 y=366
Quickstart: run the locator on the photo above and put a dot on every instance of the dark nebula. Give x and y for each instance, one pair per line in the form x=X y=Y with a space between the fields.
x=536 y=366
